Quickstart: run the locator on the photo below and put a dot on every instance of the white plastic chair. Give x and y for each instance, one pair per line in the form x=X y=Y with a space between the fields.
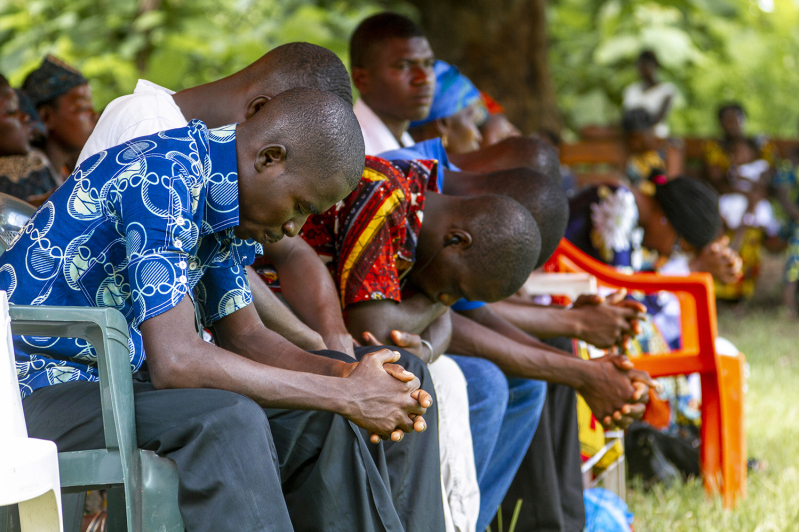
x=28 y=467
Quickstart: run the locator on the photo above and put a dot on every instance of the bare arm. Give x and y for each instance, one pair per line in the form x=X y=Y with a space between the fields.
x=262 y=365
x=438 y=334
x=310 y=291
x=413 y=315
x=663 y=110
x=607 y=389
x=603 y=323
x=279 y=318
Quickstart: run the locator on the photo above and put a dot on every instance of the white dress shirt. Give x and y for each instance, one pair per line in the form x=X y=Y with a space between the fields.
x=376 y=136
x=148 y=110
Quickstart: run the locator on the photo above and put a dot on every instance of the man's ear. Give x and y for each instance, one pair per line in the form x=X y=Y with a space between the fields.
x=458 y=238
x=361 y=78
x=270 y=155
x=254 y=105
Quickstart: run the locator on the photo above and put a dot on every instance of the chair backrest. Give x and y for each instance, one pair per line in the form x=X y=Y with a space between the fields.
x=697 y=309
x=12 y=419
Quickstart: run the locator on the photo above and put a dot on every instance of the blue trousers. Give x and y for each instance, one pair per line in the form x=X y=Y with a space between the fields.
x=503 y=413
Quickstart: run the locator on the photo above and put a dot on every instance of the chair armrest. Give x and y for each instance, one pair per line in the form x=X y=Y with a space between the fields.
x=107 y=331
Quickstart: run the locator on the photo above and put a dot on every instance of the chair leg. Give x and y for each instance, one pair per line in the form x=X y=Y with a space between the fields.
x=117 y=520
x=711 y=434
x=733 y=437
x=42 y=514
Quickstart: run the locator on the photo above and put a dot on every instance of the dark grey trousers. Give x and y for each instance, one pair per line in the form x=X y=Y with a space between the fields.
x=245 y=468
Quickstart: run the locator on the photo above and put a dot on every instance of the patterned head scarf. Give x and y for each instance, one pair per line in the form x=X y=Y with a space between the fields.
x=52 y=79
x=454 y=92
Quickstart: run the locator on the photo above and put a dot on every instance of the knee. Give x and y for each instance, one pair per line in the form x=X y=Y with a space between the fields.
x=235 y=412
x=526 y=393
x=486 y=385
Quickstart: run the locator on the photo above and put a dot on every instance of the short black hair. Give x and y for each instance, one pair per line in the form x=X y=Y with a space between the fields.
x=649 y=55
x=318 y=129
x=731 y=106
x=300 y=64
x=378 y=28
x=636 y=119
x=543 y=197
x=692 y=208
x=506 y=243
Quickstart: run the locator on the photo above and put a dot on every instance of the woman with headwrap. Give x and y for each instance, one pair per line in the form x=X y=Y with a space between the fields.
x=24 y=173
x=63 y=99
x=455 y=112
x=637 y=230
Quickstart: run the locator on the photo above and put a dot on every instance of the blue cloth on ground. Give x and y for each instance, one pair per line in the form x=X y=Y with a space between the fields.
x=606 y=512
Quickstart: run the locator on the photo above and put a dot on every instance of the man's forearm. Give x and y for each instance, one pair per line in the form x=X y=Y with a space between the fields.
x=439 y=334
x=470 y=338
x=269 y=348
x=544 y=322
x=279 y=318
x=310 y=291
x=413 y=315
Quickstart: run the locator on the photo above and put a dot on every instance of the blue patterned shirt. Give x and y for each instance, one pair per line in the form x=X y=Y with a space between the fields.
x=135 y=227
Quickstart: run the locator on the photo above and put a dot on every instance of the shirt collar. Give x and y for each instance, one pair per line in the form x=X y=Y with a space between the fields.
x=377 y=138
x=222 y=181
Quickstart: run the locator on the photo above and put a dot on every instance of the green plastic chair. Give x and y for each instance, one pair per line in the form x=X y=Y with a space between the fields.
x=142 y=487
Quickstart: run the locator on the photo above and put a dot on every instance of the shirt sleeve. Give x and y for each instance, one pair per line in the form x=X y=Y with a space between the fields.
x=465 y=304
x=224 y=289
x=153 y=206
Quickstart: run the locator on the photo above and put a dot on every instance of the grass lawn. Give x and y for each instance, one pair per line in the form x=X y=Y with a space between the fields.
x=771 y=344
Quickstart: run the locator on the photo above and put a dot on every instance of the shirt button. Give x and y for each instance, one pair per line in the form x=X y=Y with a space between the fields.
x=193 y=265
x=182 y=264
x=178 y=243
x=182 y=278
x=180 y=220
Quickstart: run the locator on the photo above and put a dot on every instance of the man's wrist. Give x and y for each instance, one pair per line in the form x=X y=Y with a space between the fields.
x=573 y=320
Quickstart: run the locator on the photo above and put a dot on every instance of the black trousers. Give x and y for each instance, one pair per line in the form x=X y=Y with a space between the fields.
x=549 y=481
x=245 y=468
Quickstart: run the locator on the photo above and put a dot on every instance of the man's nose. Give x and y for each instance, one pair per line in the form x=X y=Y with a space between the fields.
x=292 y=227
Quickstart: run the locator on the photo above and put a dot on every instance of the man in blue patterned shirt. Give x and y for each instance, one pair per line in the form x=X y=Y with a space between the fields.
x=181 y=213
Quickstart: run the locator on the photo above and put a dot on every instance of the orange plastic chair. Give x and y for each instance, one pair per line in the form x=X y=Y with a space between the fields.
x=723 y=453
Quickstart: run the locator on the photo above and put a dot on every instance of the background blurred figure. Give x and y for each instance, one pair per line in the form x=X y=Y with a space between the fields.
x=648 y=155
x=24 y=173
x=650 y=94
x=63 y=99
x=495 y=126
x=741 y=169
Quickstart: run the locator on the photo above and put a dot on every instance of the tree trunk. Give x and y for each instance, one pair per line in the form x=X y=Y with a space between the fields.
x=501 y=45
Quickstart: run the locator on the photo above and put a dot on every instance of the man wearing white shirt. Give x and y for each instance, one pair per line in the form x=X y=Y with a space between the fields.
x=395 y=81
x=307 y=286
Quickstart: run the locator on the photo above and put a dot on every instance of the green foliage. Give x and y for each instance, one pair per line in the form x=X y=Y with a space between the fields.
x=175 y=43
x=714 y=51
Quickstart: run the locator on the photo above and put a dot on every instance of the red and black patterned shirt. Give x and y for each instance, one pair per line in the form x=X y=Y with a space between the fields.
x=368 y=240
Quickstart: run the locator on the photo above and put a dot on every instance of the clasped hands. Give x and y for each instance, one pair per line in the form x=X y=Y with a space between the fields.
x=387 y=399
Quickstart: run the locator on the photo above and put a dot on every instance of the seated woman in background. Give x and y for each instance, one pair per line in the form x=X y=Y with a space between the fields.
x=63 y=99
x=24 y=173
x=741 y=170
x=615 y=224
x=647 y=155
